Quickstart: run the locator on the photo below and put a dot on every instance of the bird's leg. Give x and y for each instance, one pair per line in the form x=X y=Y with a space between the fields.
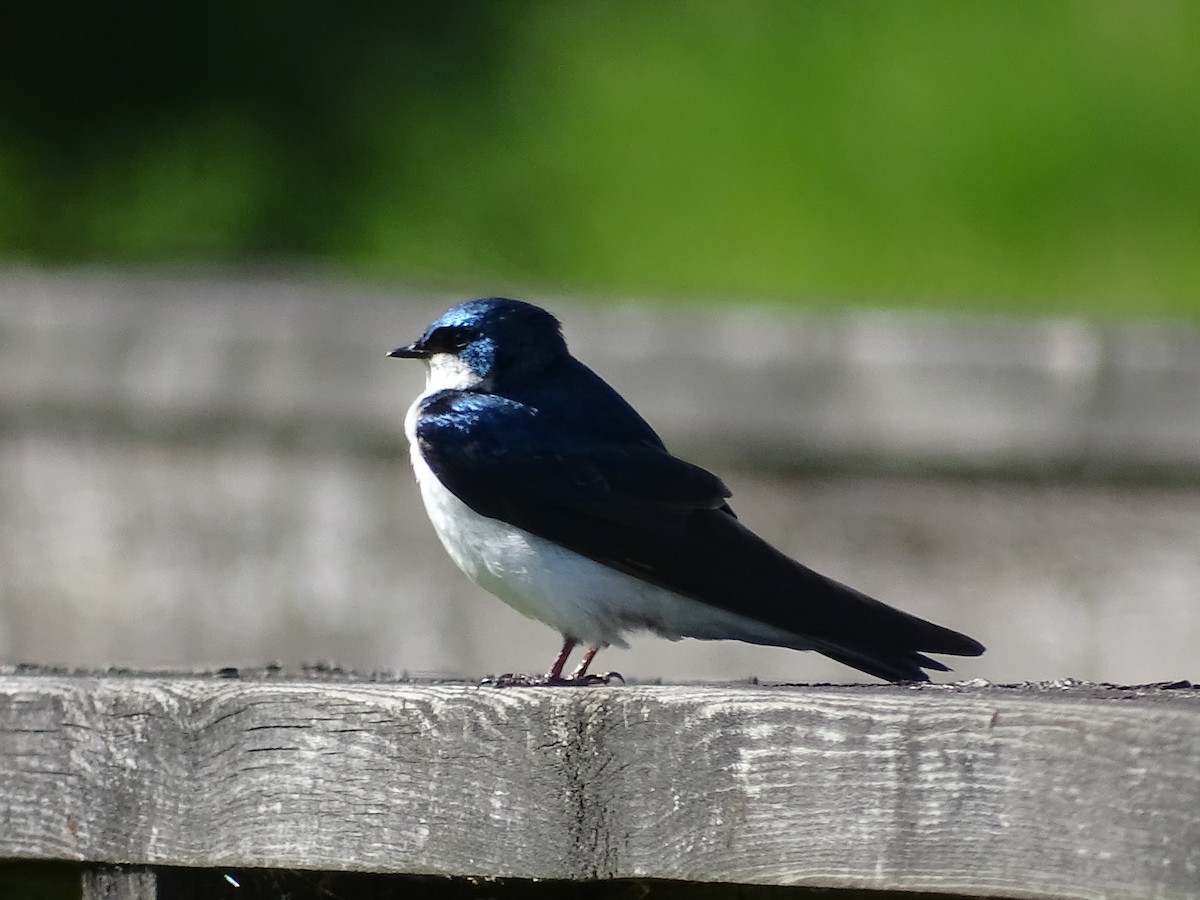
x=555 y=673
x=581 y=669
x=581 y=676
x=555 y=677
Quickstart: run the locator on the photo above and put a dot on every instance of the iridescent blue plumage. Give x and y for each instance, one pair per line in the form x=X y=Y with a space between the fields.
x=528 y=459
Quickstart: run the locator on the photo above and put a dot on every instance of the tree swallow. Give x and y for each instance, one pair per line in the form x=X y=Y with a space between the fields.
x=551 y=492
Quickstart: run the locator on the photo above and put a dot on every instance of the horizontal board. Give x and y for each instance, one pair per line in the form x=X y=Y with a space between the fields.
x=300 y=362
x=1061 y=790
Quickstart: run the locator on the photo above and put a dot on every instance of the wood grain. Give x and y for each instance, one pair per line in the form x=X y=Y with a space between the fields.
x=1034 y=792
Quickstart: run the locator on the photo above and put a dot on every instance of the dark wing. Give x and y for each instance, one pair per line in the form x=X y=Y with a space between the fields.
x=633 y=506
x=501 y=465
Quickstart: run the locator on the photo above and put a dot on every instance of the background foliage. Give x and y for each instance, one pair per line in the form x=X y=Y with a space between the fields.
x=1016 y=156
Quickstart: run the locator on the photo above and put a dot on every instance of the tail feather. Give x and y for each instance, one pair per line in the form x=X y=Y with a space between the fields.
x=732 y=568
x=889 y=664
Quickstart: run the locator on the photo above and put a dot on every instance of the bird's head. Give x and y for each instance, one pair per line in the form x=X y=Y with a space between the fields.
x=482 y=343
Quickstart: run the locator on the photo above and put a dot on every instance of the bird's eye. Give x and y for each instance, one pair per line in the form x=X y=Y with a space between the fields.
x=450 y=339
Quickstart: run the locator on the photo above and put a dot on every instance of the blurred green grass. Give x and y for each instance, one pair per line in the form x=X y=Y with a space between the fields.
x=1031 y=157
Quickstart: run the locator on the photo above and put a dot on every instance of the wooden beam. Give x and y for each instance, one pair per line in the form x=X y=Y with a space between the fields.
x=1037 y=791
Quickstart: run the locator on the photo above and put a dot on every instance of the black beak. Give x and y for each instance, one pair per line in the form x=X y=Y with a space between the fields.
x=411 y=351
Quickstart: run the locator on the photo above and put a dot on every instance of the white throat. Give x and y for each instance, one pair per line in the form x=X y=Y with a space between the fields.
x=445 y=371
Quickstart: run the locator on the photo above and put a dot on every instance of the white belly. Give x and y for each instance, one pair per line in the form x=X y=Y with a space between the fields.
x=574 y=595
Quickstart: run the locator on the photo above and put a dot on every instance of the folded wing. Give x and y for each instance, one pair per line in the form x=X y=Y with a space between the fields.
x=636 y=508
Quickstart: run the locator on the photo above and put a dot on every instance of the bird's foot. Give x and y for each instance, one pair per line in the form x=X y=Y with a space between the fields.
x=588 y=680
x=510 y=679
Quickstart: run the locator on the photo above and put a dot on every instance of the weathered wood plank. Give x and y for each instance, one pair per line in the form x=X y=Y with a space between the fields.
x=1075 y=792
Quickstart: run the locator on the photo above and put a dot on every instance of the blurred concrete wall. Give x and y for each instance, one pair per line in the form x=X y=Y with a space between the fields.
x=211 y=471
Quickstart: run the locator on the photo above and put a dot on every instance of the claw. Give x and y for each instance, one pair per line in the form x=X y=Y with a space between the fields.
x=555 y=677
x=605 y=678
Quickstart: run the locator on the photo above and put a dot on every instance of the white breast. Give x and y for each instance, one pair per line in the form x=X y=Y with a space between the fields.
x=574 y=595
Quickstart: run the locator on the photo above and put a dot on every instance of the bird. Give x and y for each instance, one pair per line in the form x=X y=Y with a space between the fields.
x=550 y=491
